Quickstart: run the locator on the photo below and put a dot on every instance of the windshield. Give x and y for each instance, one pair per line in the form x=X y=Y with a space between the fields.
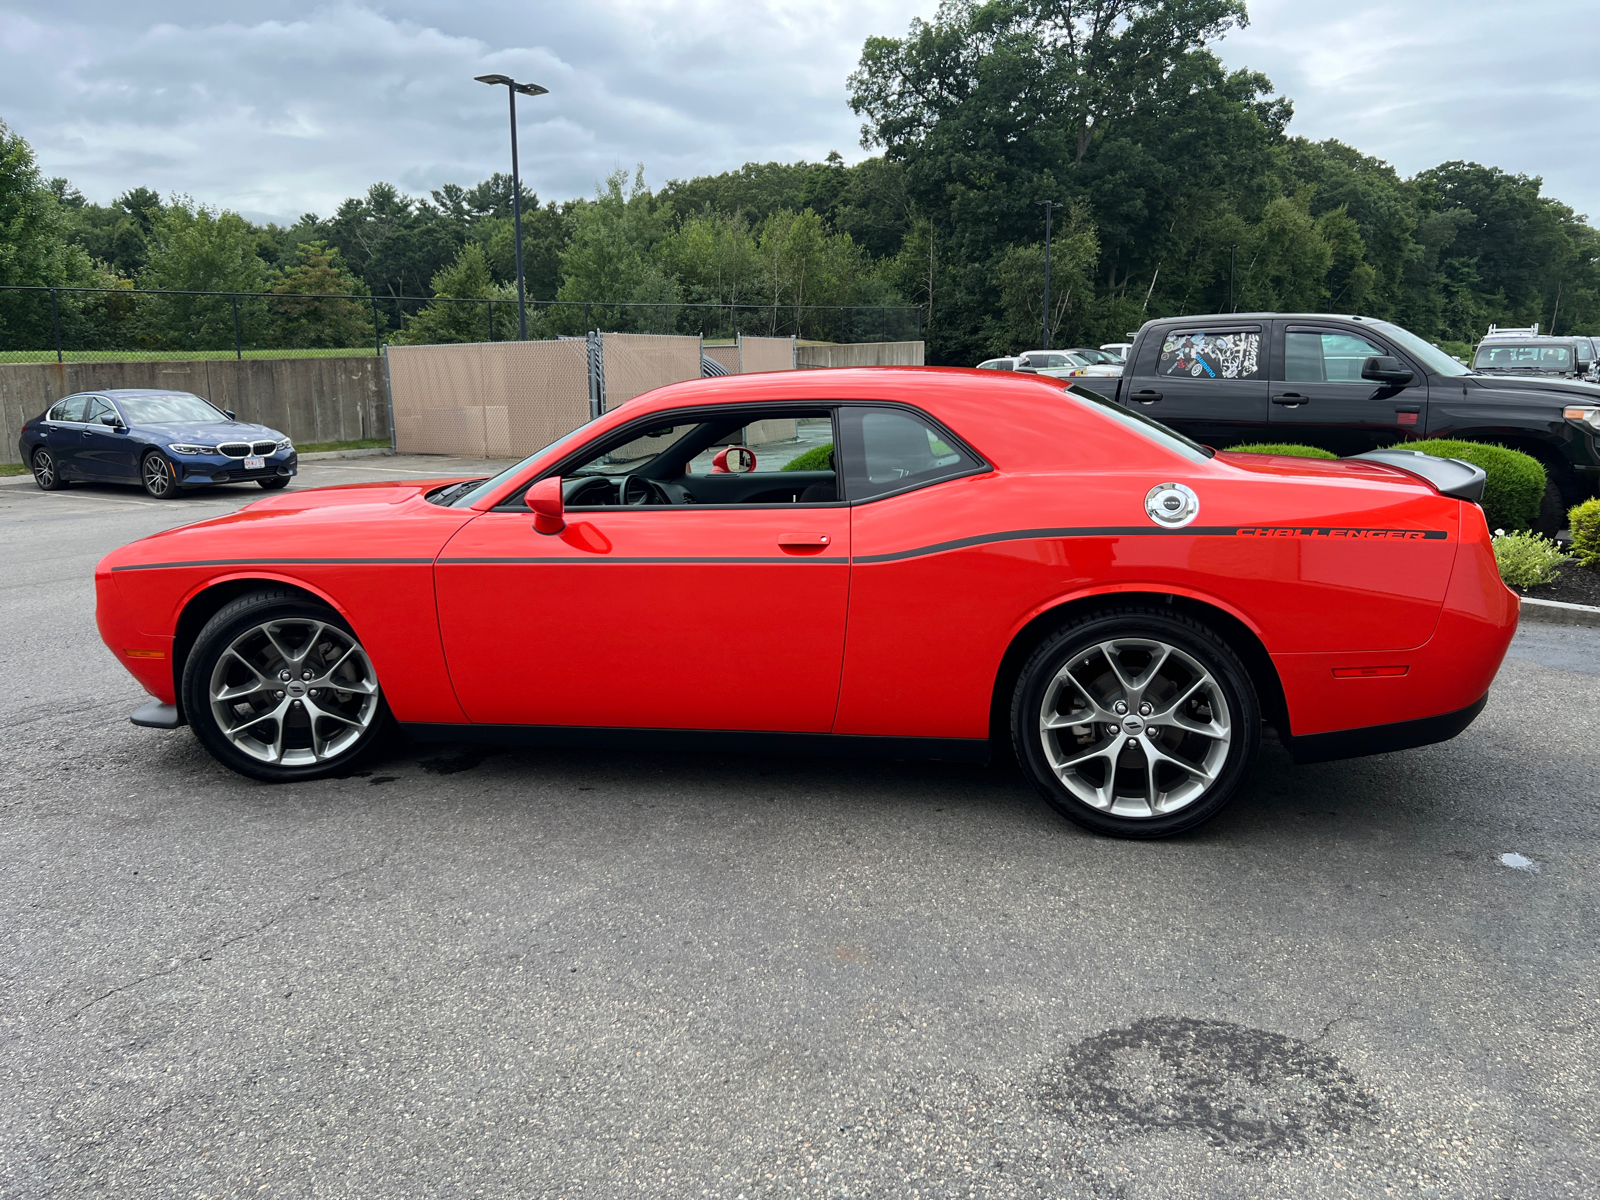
x=1143 y=425
x=1497 y=356
x=173 y=408
x=465 y=495
x=1435 y=359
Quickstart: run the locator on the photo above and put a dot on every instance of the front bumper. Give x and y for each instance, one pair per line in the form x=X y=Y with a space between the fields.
x=198 y=470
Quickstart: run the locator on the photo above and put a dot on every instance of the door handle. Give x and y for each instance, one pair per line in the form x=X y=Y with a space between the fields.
x=1145 y=396
x=1408 y=408
x=804 y=541
x=1291 y=399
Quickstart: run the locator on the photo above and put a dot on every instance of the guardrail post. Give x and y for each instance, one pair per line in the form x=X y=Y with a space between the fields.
x=238 y=343
x=55 y=320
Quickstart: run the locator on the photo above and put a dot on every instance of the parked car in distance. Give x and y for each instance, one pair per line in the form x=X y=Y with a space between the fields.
x=1350 y=384
x=1588 y=351
x=989 y=557
x=165 y=442
x=1097 y=358
x=1062 y=364
x=1558 y=358
x=1120 y=349
x=998 y=364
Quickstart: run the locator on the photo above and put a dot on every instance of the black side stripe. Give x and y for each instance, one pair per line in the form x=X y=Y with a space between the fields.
x=1311 y=533
x=272 y=562
x=604 y=559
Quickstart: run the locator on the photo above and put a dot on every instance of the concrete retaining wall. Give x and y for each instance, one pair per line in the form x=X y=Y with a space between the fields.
x=310 y=399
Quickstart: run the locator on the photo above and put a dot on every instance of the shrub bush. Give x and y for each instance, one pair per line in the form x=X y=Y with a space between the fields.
x=814 y=459
x=1283 y=448
x=1527 y=559
x=1516 y=480
x=1584 y=522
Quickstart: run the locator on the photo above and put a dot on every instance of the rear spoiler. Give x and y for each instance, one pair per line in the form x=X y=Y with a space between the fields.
x=1452 y=476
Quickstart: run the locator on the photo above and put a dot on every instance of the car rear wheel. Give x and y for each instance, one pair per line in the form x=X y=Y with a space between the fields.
x=278 y=688
x=1136 y=723
x=45 y=471
x=274 y=483
x=158 y=477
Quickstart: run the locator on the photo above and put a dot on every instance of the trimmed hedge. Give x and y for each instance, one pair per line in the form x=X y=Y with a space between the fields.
x=1516 y=480
x=1584 y=522
x=1282 y=448
x=814 y=459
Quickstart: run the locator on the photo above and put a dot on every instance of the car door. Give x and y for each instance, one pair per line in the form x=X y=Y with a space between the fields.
x=722 y=610
x=64 y=435
x=1320 y=399
x=106 y=451
x=1206 y=381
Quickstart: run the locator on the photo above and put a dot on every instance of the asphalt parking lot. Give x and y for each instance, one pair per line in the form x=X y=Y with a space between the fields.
x=532 y=973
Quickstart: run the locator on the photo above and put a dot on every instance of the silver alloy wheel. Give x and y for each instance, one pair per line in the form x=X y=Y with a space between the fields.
x=157 y=475
x=293 y=692
x=1135 y=727
x=44 y=469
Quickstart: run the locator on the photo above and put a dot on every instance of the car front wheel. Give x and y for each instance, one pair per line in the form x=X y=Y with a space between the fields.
x=45 y=471
x=278 y=688
x=158 y=477
x=1136 y=723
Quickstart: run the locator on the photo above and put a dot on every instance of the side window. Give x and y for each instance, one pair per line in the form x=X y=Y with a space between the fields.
x=70 y=409
x=1310 y=357
x=1211 y=354
x=890 y=450
x=101 y=412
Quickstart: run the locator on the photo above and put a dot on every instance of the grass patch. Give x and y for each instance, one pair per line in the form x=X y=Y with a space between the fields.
x=1296 y=451
x=13 y=468
x=99 y=356
x=323 y=447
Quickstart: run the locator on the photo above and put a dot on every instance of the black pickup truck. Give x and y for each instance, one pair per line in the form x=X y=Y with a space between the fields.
x=1351 y=384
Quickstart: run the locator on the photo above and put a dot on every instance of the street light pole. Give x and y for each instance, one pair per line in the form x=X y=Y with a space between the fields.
x=527 y=89
x=1049 y=207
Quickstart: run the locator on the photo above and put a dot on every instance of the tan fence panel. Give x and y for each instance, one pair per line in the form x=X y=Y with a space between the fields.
x=861 y=354
x=487 y=399
x=636 y=363
x=725 y=356
x=765 y=354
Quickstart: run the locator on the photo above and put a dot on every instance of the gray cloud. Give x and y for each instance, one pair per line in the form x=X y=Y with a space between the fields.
x=282 y=113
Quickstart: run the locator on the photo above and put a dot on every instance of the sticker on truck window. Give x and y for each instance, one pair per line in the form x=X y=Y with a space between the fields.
x=1211 y=355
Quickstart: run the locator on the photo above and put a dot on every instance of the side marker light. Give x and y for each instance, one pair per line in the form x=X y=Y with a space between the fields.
x=145 y=653
x=1368 y=672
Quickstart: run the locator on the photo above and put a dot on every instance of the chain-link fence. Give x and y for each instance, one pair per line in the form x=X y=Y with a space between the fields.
x=58 y=324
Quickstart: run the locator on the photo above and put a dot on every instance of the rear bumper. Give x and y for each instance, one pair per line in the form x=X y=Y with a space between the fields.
x=1381 y=739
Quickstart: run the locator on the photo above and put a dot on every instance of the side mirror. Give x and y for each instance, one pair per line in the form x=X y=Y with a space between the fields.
x=736 y=460
x=228 y=412
x=1383 y=368
x=544 y=498
x=115 y=422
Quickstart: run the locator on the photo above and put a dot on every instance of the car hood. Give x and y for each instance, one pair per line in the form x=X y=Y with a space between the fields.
x=1560 y=390
x=209 y=433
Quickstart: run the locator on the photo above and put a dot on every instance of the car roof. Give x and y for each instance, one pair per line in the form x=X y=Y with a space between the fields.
x=1213 y=318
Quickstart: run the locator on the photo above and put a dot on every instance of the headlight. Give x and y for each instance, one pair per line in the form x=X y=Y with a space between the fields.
x=1586 y=413
x=178 y=448
x=285 y=444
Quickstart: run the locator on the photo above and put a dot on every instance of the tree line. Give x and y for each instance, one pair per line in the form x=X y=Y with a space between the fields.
x=1181 y=190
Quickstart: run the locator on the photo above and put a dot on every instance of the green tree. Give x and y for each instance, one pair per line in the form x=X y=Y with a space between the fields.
x=193 y=248
x=322 y=319
x=467 y=278
x=34 y=250
x=611 y=261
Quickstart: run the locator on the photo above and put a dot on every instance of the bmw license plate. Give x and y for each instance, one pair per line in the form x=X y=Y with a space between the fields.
x=255 y=464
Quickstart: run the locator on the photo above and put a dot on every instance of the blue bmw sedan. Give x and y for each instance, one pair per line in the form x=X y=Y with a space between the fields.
x=163 y=441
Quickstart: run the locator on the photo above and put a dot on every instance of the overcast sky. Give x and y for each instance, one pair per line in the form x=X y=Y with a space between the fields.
x=275 y=115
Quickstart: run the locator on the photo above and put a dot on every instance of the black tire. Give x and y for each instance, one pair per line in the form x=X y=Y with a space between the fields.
x=46 y=471
x=157 y=476
x=273 y=484
x=313 y=736
x=1191 y=774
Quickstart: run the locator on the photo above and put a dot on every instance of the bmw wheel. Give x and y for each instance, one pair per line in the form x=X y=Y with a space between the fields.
x=158 y=477
x=45 y=471
x=278 y=688
x=1136 y=723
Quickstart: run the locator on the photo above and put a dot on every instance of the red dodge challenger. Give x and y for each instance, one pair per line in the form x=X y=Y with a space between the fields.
x=915 y=562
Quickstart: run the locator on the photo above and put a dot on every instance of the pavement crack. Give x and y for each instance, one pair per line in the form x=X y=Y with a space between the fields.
x=210 y=952
x=1328 y=1028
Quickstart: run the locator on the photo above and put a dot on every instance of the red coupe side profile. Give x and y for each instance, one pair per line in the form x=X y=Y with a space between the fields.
x=917 y=562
